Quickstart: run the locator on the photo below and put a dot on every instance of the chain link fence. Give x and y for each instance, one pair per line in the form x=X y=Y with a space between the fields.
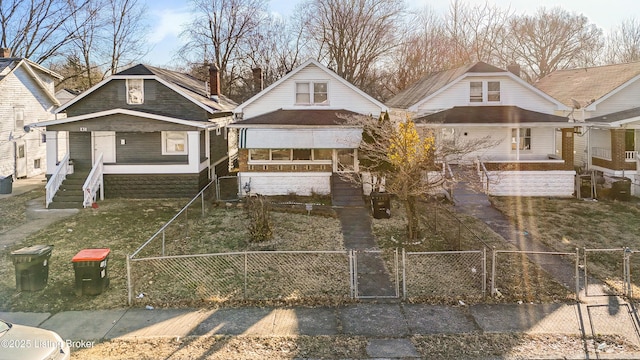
x=455 y=233
x=609 y=264
x=443 y=276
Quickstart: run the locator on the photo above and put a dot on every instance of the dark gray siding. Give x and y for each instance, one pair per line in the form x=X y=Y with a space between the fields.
x=80 y=149
x=218 y=145
x=158 y=99
x=143 y=148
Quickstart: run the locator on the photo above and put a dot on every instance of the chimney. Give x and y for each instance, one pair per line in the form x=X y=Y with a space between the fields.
x=5 y=53
x=258 y=83
x=514 y=69
x=214 y=81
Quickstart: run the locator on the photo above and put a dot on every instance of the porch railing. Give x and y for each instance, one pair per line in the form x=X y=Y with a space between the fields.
x=601 y=153
x=630 y=156
x=94 y=183
x=56 y=179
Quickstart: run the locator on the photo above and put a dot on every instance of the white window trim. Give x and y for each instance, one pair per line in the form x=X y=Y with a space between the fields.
x=311 y=93
x=141 y=92
x=251 y=161
x=485 y=93
x=165 y=151
x=518 y=137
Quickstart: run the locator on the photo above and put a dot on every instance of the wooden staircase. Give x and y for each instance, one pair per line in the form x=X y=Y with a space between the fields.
x=70 y=195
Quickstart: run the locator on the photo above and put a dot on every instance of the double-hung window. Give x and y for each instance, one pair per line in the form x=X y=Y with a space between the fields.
x=521 y=139
x=484 y=91
x=312 y=93
x=174 y=143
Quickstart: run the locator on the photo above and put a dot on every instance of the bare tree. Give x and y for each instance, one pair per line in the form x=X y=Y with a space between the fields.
x=79 y=68
x=623 y=44
x=552 y=39
x=352 y=35
x=124 y=33
x=37 y=29
x=219 y=34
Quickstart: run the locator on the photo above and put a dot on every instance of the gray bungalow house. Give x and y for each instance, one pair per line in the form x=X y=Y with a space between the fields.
x=144 y=132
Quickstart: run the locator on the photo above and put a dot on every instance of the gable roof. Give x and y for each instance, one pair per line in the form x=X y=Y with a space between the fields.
x=10 y=65
x=588 y=85
x=293 y=72
x=433 y=82
x=491 y=116
x=288 y=118
x=188 y=86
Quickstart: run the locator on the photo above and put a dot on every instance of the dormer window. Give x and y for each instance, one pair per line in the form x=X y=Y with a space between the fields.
x=312 y=93
x=484 y=91
x=135 y=91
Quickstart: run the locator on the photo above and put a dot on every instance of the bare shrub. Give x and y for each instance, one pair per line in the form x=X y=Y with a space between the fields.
x=258 y=210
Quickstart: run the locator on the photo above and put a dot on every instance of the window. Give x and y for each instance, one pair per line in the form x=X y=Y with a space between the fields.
x=36 y=164
x=21 y=151
x=174 y=143
x=301 y=154
x=476 y=91
x=521 y=139
x=135 y=91
x=322 y=154
x=281 y=154
x=493 y=91
x=43 y=138
x=630 y=140
x=258 y=154
x=19 y=117
x=305 y=95
x=484 y=91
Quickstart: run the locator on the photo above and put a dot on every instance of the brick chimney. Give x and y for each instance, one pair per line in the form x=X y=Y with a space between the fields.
x=5 y=53
x=258 y=83
x=514 y=69
x=214 y=81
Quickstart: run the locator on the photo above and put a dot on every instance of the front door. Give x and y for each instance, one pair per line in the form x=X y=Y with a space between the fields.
x=21 y=158
x=104 y=142
x=345 y=160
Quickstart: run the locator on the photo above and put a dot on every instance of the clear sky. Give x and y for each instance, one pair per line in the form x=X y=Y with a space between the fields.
x=167 y=17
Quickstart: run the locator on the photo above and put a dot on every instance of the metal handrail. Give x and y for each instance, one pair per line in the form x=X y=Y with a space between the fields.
x=56 y=179
x=94 y=183
x=485 y=174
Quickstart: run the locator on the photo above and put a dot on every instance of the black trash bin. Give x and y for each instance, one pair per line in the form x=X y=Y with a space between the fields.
x=6 y=184
x=32 y=267
x=621 y=189
x=381 y=205
x=90 y=266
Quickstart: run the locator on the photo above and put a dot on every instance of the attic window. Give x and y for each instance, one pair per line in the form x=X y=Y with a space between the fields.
x=312 y=93
x=135 y=91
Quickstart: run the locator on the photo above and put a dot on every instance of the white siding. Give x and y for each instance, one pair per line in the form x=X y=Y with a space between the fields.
x=20 y=90
x=625 y=99
x=532 y=183
x=339 y=95
x=511 y=93
x=303 y=138
x=284 y=183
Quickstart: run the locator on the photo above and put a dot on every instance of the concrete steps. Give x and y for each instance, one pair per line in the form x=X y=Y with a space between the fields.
x=70 y=195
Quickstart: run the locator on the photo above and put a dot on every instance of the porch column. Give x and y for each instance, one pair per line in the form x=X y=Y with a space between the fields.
x=567 y=148
x=52 y=151
x=617 y=149
x=193 y=141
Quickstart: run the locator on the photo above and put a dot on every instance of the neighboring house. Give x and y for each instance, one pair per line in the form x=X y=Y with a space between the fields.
x=153 y=132
x=482 y=101
x=606 y=107
x=27 y=96
x=293 y=136
x=65 y=95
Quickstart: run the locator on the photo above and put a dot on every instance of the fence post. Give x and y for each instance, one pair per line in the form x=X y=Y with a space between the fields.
x=395 y=256
x=459 y=236
x=129 y=290
x=404 y=274
x=577 y=274
x=351 y=272
x=586 y=275
x=493 y=272
x=627 y=272
x=245 y=275
x=163 y=243
x=484 y=272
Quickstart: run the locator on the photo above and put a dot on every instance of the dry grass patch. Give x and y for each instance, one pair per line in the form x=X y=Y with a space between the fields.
x=13 y=209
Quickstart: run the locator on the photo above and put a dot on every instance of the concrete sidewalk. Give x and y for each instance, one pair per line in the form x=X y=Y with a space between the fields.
x=388 y=326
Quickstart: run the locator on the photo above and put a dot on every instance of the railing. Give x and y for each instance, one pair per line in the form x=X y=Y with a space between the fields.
x=482 y=170
x=630 y=156
x=94 y=183
x=56 y=179
x=601 y=153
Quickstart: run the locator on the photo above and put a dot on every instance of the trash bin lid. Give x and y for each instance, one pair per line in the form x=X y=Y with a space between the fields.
x=91 y=255
x=33 y=250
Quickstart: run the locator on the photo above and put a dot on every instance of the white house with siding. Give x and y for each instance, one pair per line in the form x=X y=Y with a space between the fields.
x=27 y=97
x=482 y=101
x=606 y=107
x=293 y=135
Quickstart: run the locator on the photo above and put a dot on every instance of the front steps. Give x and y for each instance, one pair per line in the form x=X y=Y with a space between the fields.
x=70 y=195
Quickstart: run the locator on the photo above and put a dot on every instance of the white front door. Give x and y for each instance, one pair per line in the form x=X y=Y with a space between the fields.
x=21 y=158
x=104 y=142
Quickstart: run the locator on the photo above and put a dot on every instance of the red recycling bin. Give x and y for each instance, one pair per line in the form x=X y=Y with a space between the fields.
x=90 y=266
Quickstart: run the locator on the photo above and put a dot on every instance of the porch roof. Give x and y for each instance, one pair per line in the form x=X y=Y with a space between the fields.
x=279 y=118
x=493 y=116
x=617 y=118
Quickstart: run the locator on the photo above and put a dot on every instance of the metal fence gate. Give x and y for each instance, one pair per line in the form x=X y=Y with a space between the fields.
x=375 y=274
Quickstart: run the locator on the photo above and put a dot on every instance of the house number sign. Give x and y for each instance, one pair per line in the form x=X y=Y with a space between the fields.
x=82 y=128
